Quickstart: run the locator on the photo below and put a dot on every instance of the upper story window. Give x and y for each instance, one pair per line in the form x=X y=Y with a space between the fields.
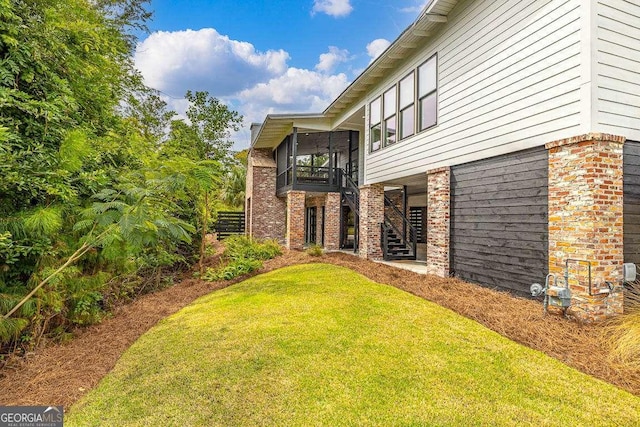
x=375 y=128
x=389 y=108
x=406 y=105
x=428 y=93
x=406 y=108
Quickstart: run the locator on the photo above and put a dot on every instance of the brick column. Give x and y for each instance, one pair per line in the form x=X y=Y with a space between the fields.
x=438 y=221
x=332 y=221
x=586 y=220
x=265 y=212
x=371 y=216
x=295 y=219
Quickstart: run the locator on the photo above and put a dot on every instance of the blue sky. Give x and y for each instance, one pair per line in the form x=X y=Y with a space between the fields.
x=269 y=56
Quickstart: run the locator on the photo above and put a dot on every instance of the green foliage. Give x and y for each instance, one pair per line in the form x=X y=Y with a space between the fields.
x=233 y=269
x=314 y=250
x=242 y=256
x=242 y=247
x=233 y=190
x=87 y=166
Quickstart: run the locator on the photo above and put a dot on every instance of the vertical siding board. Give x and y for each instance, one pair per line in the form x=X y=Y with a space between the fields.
x=631 y=208
x=499 y=233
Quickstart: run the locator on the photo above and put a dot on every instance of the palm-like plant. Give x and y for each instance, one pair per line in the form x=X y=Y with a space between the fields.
x=233 y=189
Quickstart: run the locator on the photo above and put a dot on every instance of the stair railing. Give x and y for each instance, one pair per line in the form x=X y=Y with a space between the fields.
x=350 y=193
x=408 y=235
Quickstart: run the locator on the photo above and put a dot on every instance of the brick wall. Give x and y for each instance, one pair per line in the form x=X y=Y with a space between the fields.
x=397 y=198
x=438 y=221
x=371 y=216
x=332 y=221
x=265 y=212
x=295 y=219
x=586 y=219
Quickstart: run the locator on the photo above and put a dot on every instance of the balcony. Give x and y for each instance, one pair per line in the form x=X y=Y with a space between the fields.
x=319 y=157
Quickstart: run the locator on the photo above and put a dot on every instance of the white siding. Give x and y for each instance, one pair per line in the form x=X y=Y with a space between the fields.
x=509 y=79
x=618 y=68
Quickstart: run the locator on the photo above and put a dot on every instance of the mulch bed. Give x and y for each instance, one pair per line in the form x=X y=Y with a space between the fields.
x=60 y=374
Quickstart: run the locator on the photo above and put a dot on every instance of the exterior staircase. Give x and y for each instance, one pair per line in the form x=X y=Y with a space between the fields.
x=399 y=236
x=350 y=196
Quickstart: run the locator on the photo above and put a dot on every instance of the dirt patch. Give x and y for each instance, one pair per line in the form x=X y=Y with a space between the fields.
x=61 y=374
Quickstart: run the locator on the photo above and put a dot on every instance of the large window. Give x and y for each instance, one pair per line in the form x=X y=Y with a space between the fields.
x=375 y=130
x=428 y=93
x=389 y=108
x=406 y=105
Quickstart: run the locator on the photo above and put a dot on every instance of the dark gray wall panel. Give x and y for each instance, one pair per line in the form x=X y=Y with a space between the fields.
x=631 y=191
x=499 y=220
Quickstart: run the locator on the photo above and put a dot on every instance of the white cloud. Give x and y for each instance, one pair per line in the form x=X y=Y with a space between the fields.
x=251 y=82
x=376 y=47
x=417 y=8
x=335 y=8
x=176 y=61
x=329 y=60
x=296 y=91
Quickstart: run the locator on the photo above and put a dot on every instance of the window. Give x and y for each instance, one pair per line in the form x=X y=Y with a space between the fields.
x=428 y=93
x=375 y=130
x=389 y=108
x=406 y=106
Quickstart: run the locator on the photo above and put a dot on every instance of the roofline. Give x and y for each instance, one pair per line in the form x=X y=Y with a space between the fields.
x=284 y=117
x=425 y=13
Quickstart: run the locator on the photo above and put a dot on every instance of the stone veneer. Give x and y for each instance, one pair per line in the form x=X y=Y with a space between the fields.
x=586 y=220
x=371 y=216
x=438 y=221
x=295 y=219
x=265 y=212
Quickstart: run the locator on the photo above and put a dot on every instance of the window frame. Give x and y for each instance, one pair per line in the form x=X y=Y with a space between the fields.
x=419 y=99
x=402 y=109
x=393 y=115
x=373 y=125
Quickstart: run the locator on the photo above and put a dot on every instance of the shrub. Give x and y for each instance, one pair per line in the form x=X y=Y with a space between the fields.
x=242 y=256
x=232 y=270
x=241 y=247
x=315 y=250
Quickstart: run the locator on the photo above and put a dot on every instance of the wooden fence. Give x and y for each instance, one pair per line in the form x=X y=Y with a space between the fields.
x=229 y=223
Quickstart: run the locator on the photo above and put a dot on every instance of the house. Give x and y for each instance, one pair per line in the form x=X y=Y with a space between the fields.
x=496 y=141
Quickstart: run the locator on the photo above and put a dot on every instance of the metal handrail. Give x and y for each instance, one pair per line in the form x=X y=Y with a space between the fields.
x=412 y=238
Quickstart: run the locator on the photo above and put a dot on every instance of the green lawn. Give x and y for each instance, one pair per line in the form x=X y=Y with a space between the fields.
x=321 y=345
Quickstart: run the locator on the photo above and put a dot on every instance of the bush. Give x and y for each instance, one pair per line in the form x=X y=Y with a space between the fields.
x=242 y=256
x=241 y=247
x=315 y=250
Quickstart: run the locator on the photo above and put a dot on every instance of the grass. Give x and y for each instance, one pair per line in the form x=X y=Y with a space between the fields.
x=321 y=345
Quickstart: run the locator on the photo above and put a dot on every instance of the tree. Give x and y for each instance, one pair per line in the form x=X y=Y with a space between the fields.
x=206 y=132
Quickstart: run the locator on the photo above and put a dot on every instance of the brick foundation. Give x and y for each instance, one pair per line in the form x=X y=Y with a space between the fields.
x=371 y=216
x=265 y=212
x=332 y=221
x=438 y=221
x=295 y=219
x=586 y=220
